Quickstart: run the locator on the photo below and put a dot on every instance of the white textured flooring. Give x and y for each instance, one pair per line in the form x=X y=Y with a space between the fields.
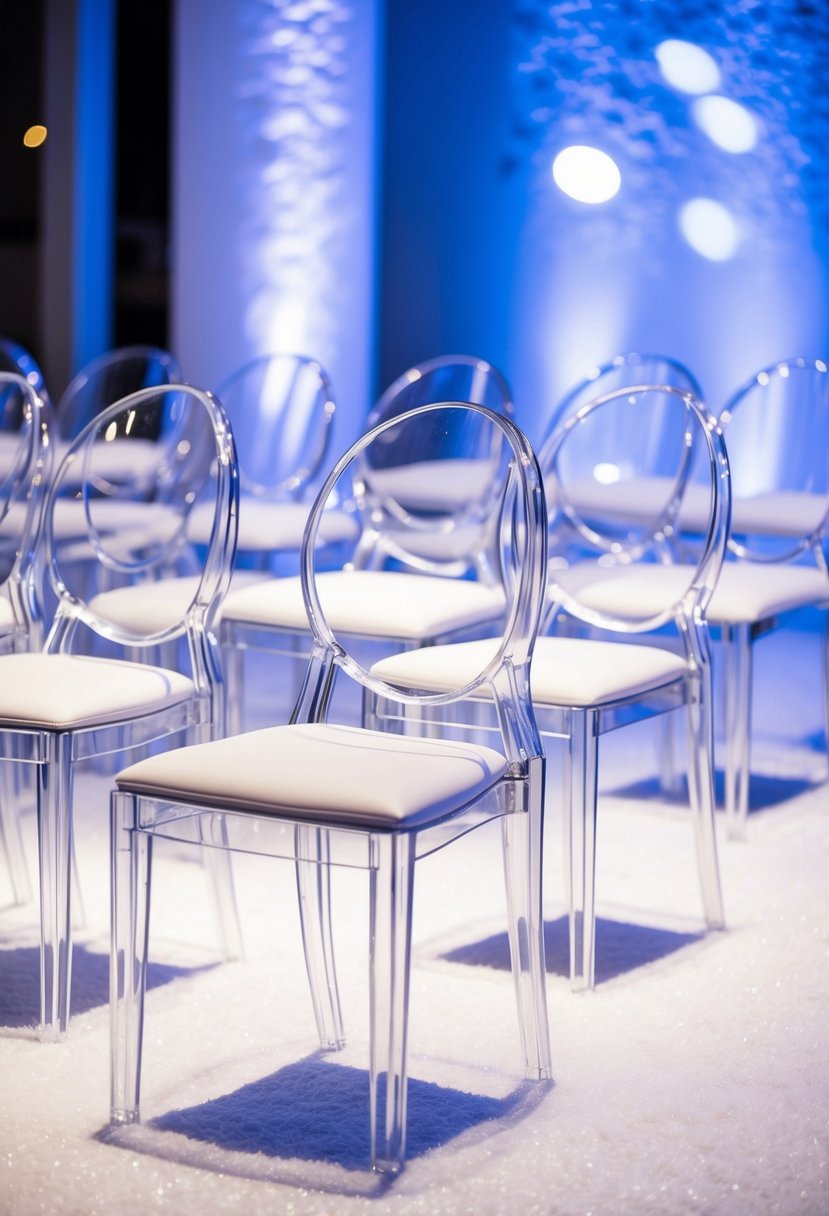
x=694 y=1079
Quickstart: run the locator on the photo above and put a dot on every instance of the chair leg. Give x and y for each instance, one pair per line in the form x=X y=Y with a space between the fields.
x=131 y=868
x=670 y=782
x=11 y=840
x=826 y=684
x=581 y=794
x=313 y=879
x=390 y=936
x=523 y=854
x=233 y=669
x=218 y=865
x=700 y=719
x=737 y=694
x=54 y=814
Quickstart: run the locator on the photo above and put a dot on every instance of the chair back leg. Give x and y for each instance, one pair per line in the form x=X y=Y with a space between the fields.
x=736 y=644
x=580 y=799
x=313 y=880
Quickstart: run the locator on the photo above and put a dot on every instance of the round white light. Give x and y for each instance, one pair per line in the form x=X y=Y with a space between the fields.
x=687 y=66
x=586 y=174
x=728 y=124
x=709 y=228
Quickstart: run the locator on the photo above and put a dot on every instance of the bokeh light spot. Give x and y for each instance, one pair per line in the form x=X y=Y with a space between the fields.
x=586 y=174
x=726 y=123
x=687 y=66
x=35 y=136
x=709 y=228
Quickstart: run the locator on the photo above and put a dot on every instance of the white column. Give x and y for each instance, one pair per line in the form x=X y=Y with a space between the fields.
x=274 y=189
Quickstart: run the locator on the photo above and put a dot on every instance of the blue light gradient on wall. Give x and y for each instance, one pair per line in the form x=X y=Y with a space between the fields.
x=274 y=192
x=751 y=286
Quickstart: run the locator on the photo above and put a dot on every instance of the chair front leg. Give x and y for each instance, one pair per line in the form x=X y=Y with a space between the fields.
x=54 y=822
x=700 y=718
x=131 y=868
x=313 y=880
x=522 y=834
x=390 y=938
x=736 y=643
x=580 y=802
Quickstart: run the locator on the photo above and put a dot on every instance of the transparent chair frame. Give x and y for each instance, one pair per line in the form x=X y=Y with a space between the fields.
x=622 y=371
x=108 y=379
x=287 y=450
x=52 y=752
x=681 y=604
x=582 y=728
x=388 y=853
x=795 y=448
x=386 y=523
x=389 y=521
x=24 y=479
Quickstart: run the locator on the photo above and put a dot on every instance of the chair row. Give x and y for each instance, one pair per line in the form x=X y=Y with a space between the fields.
x=401 y=472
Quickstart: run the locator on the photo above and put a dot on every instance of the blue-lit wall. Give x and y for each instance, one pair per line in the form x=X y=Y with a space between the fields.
x=483 y=252
x=286 y=107
x=274 y=157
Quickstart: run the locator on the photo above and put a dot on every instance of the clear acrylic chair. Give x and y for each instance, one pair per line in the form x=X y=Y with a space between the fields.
x=58 y=708
x=24 y=466
x=409 y=516
x=622 y=371
x=775 y=430
x=320 y=794
x=109 y=378
x=282 y=409
x=425 y=520
x=584 y=687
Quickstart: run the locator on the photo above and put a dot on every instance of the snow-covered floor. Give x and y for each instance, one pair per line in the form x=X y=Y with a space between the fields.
x=695 y=1079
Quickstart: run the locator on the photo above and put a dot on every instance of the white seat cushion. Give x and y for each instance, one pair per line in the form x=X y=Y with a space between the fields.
x=779 y=513
x=638 y=500
x=336 y=773
x=151 y=607
x=147 y=522
x=273 y=526
x=435 y=485
x=374 y=603
x=59 y=691
x=746 y=591
x=565 y=671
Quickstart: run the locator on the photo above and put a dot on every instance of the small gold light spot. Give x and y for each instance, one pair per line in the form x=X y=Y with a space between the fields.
x=35 y=136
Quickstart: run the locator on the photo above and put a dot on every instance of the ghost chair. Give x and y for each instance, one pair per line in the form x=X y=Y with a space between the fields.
x=775 y=427
x=282 y=410
x=58 y=708
x=410 y=517
x=109 y=378
x=321 y=794
x=622 y=371
x=24 y=464
x=424 y=566
x=584 y=687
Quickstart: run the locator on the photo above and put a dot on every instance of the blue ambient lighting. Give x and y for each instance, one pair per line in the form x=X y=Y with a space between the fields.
x=687 y=67
x=586 y=174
